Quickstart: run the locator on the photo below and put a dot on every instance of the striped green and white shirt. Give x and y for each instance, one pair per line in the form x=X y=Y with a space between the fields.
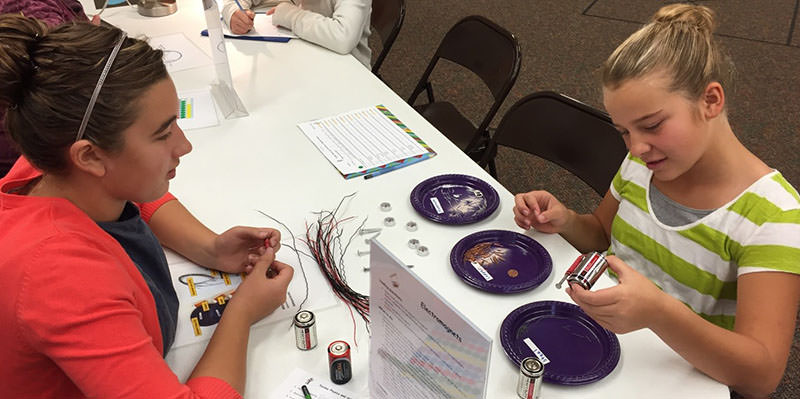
x=699 y=262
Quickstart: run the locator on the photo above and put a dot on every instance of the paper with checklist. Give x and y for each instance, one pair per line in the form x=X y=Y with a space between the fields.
x=365 y=141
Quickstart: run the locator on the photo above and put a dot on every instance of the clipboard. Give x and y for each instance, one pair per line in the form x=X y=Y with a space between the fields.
x=278 y=39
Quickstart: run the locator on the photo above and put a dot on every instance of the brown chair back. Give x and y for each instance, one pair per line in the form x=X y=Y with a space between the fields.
x=565 y=131
x=486 y=49
x=387 y=19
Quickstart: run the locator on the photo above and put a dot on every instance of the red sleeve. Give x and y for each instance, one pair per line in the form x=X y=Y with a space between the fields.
x=80 y=307
x=147 y=209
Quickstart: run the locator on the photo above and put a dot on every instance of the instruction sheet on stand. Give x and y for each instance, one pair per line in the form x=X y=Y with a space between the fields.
x=420 y=345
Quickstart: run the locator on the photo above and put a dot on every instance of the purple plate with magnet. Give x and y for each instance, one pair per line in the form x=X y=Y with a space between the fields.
x=501 y=261
x=454 y=199
x=579 y=350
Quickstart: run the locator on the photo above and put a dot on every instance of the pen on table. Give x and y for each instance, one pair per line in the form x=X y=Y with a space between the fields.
x=391 y=168
x=306 y=394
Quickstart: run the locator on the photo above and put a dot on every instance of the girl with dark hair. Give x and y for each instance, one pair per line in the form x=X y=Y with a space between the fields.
x=89 y=307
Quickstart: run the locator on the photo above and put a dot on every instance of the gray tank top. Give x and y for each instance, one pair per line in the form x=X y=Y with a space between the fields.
x=672 y=213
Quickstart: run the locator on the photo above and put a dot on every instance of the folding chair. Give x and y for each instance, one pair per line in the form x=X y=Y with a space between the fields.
x=387 y=19
x=562 y=130
x=488 y=51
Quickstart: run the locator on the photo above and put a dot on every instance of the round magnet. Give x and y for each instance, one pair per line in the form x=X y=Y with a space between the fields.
x=386 y=207
x=413 y=243
x=388 y=221
x=411 y=226
x=422 y=250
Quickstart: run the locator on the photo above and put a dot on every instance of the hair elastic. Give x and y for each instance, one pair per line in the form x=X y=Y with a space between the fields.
x=99 y=85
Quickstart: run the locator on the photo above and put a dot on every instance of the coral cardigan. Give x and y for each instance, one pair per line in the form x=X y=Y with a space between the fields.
x=78 y=319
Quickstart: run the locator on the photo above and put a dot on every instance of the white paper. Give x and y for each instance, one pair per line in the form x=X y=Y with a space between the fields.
x=210 y=285
x=262 y=27
x=420 y=345
x=196 y=109
x=318 y=387
x=536 y=351
x=179 y=52
x=361 y=139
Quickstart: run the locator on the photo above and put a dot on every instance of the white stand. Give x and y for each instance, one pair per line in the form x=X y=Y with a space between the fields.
x=222 y=89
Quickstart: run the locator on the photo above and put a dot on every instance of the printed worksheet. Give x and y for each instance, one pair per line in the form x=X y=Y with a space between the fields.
x=420 y=344
x=196 y=109
x=360 y=141
x=204 y=293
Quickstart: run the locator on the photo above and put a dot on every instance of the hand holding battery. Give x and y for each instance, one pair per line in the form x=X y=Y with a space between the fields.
x=259 y=294
x=629 y=306
x=239 y=248
x=540 y=210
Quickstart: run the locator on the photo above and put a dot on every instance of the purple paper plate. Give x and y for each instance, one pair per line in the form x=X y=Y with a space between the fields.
x=454 y=199
x=501 y=261
x=580 y=350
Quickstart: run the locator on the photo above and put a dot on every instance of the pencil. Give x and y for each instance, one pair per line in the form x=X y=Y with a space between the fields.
x=409 y=161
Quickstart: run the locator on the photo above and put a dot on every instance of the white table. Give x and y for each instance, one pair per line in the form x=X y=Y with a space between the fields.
x=264 y=162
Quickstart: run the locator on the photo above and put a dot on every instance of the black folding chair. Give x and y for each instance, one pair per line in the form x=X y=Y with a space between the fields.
x=490 y=52
x=387 y=19
x=565 y=131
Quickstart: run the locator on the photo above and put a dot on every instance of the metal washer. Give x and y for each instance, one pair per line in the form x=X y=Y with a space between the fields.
x=422 y=250
x=388 y=221
x=413 y=243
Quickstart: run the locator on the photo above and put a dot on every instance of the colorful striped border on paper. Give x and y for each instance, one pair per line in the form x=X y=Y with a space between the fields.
x=399 y=163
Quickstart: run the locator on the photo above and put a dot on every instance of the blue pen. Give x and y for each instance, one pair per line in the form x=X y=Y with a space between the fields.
x=398 y=166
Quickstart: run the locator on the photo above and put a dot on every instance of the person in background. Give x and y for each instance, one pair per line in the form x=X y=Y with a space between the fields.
x=89 y=305
x=339 y=25
x=705 y=235
x=51 y=12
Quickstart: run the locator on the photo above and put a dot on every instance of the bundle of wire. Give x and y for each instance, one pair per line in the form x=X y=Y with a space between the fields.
x=324 y=240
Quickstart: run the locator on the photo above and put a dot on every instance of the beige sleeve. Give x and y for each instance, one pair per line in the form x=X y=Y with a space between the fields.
x=341 y=32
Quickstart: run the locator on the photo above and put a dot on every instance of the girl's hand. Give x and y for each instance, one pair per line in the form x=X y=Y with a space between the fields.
x=540 y=210
x=264 y=288
x=242 y=21
x=631 y=305
x=239 y=248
